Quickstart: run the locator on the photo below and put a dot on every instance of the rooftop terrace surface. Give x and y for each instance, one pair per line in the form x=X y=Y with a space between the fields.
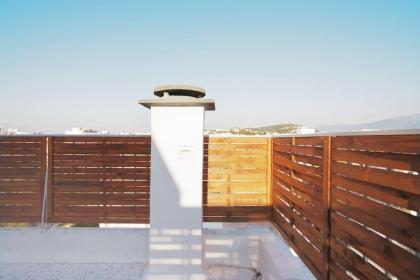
x=233 y=252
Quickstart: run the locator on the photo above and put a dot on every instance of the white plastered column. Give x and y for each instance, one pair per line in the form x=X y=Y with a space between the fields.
x=176 y=194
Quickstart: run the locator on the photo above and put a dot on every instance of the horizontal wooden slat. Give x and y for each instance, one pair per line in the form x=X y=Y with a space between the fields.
x=98 y=219
x=95 y=146
x=388 y=160
x=19 y=210
x=16 y=146
x=21 y=139
x=18 y=165
x=140 y=176
x=35 y=218
x=100 y=189
x=243 y=159
x=237 y=140
x=310 y=141
x=102 y=139
x=106 y=151
x=236 y=199
x=101 y=158
x=20 y=198
x=251 y=172
x=389 y=143
x=28 y=171
x=302 y=150
x=100 y=170
x=395 y=180
x=89 y=164
x=114 y=211
x=101 y=196
x=101 y=182
x=282 y=141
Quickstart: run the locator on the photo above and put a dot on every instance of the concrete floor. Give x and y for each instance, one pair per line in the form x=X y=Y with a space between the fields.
x=84 y=271
x=233 y=252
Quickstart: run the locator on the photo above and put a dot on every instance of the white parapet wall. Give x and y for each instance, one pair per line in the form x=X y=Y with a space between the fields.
x=73 y=245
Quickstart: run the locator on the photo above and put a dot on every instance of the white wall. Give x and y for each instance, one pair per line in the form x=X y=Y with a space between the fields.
x=176 y=192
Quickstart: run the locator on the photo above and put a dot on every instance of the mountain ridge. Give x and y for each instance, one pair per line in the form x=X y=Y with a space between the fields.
x=402 y=122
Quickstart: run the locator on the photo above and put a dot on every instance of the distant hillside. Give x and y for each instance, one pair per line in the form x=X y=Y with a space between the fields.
x=405 y=122
x=277 y=128
x=263 y=130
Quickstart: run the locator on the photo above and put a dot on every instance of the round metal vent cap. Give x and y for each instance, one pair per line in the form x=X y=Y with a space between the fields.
x=180 y=90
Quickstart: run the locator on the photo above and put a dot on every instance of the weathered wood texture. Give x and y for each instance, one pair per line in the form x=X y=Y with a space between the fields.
x=356 y=205
x=100 y=179
x=22 y=168
x=375 y=203
x=236 y=179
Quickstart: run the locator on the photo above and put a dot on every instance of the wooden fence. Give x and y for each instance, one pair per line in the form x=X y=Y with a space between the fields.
x=349 y=205
x=298 y=195
x=106 y=179
x=237 y=179
x=22 y=173
x=375 y=203
x=99 y=179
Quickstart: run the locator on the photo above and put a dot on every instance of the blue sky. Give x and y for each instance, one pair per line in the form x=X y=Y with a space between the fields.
x=66 y=64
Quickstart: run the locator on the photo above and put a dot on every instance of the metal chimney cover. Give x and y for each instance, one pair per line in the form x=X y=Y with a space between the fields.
x=180 y=90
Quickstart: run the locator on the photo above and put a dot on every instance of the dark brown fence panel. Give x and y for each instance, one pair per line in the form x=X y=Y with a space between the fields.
x=298 y=195
x=22 y=172
x=375 y=201
x=237 y=179
x=100 y=179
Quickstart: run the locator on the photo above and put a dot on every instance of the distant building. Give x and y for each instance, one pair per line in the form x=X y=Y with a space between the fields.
x=80 y=130
x=133 y=133
x=305 y=130
x=15 y=131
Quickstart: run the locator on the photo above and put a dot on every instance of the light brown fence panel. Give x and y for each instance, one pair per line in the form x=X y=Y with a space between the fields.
x=237 y=179
x=101 y=179
x=298 y=182
x=375 y=200
x=22 y=170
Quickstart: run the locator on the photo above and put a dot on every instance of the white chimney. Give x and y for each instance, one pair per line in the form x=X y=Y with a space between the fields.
x=176 y=207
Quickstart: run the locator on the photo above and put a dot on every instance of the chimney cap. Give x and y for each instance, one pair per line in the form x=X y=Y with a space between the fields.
x=180 y=90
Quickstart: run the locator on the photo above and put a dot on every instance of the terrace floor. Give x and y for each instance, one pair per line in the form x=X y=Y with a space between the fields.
x=233 y=251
